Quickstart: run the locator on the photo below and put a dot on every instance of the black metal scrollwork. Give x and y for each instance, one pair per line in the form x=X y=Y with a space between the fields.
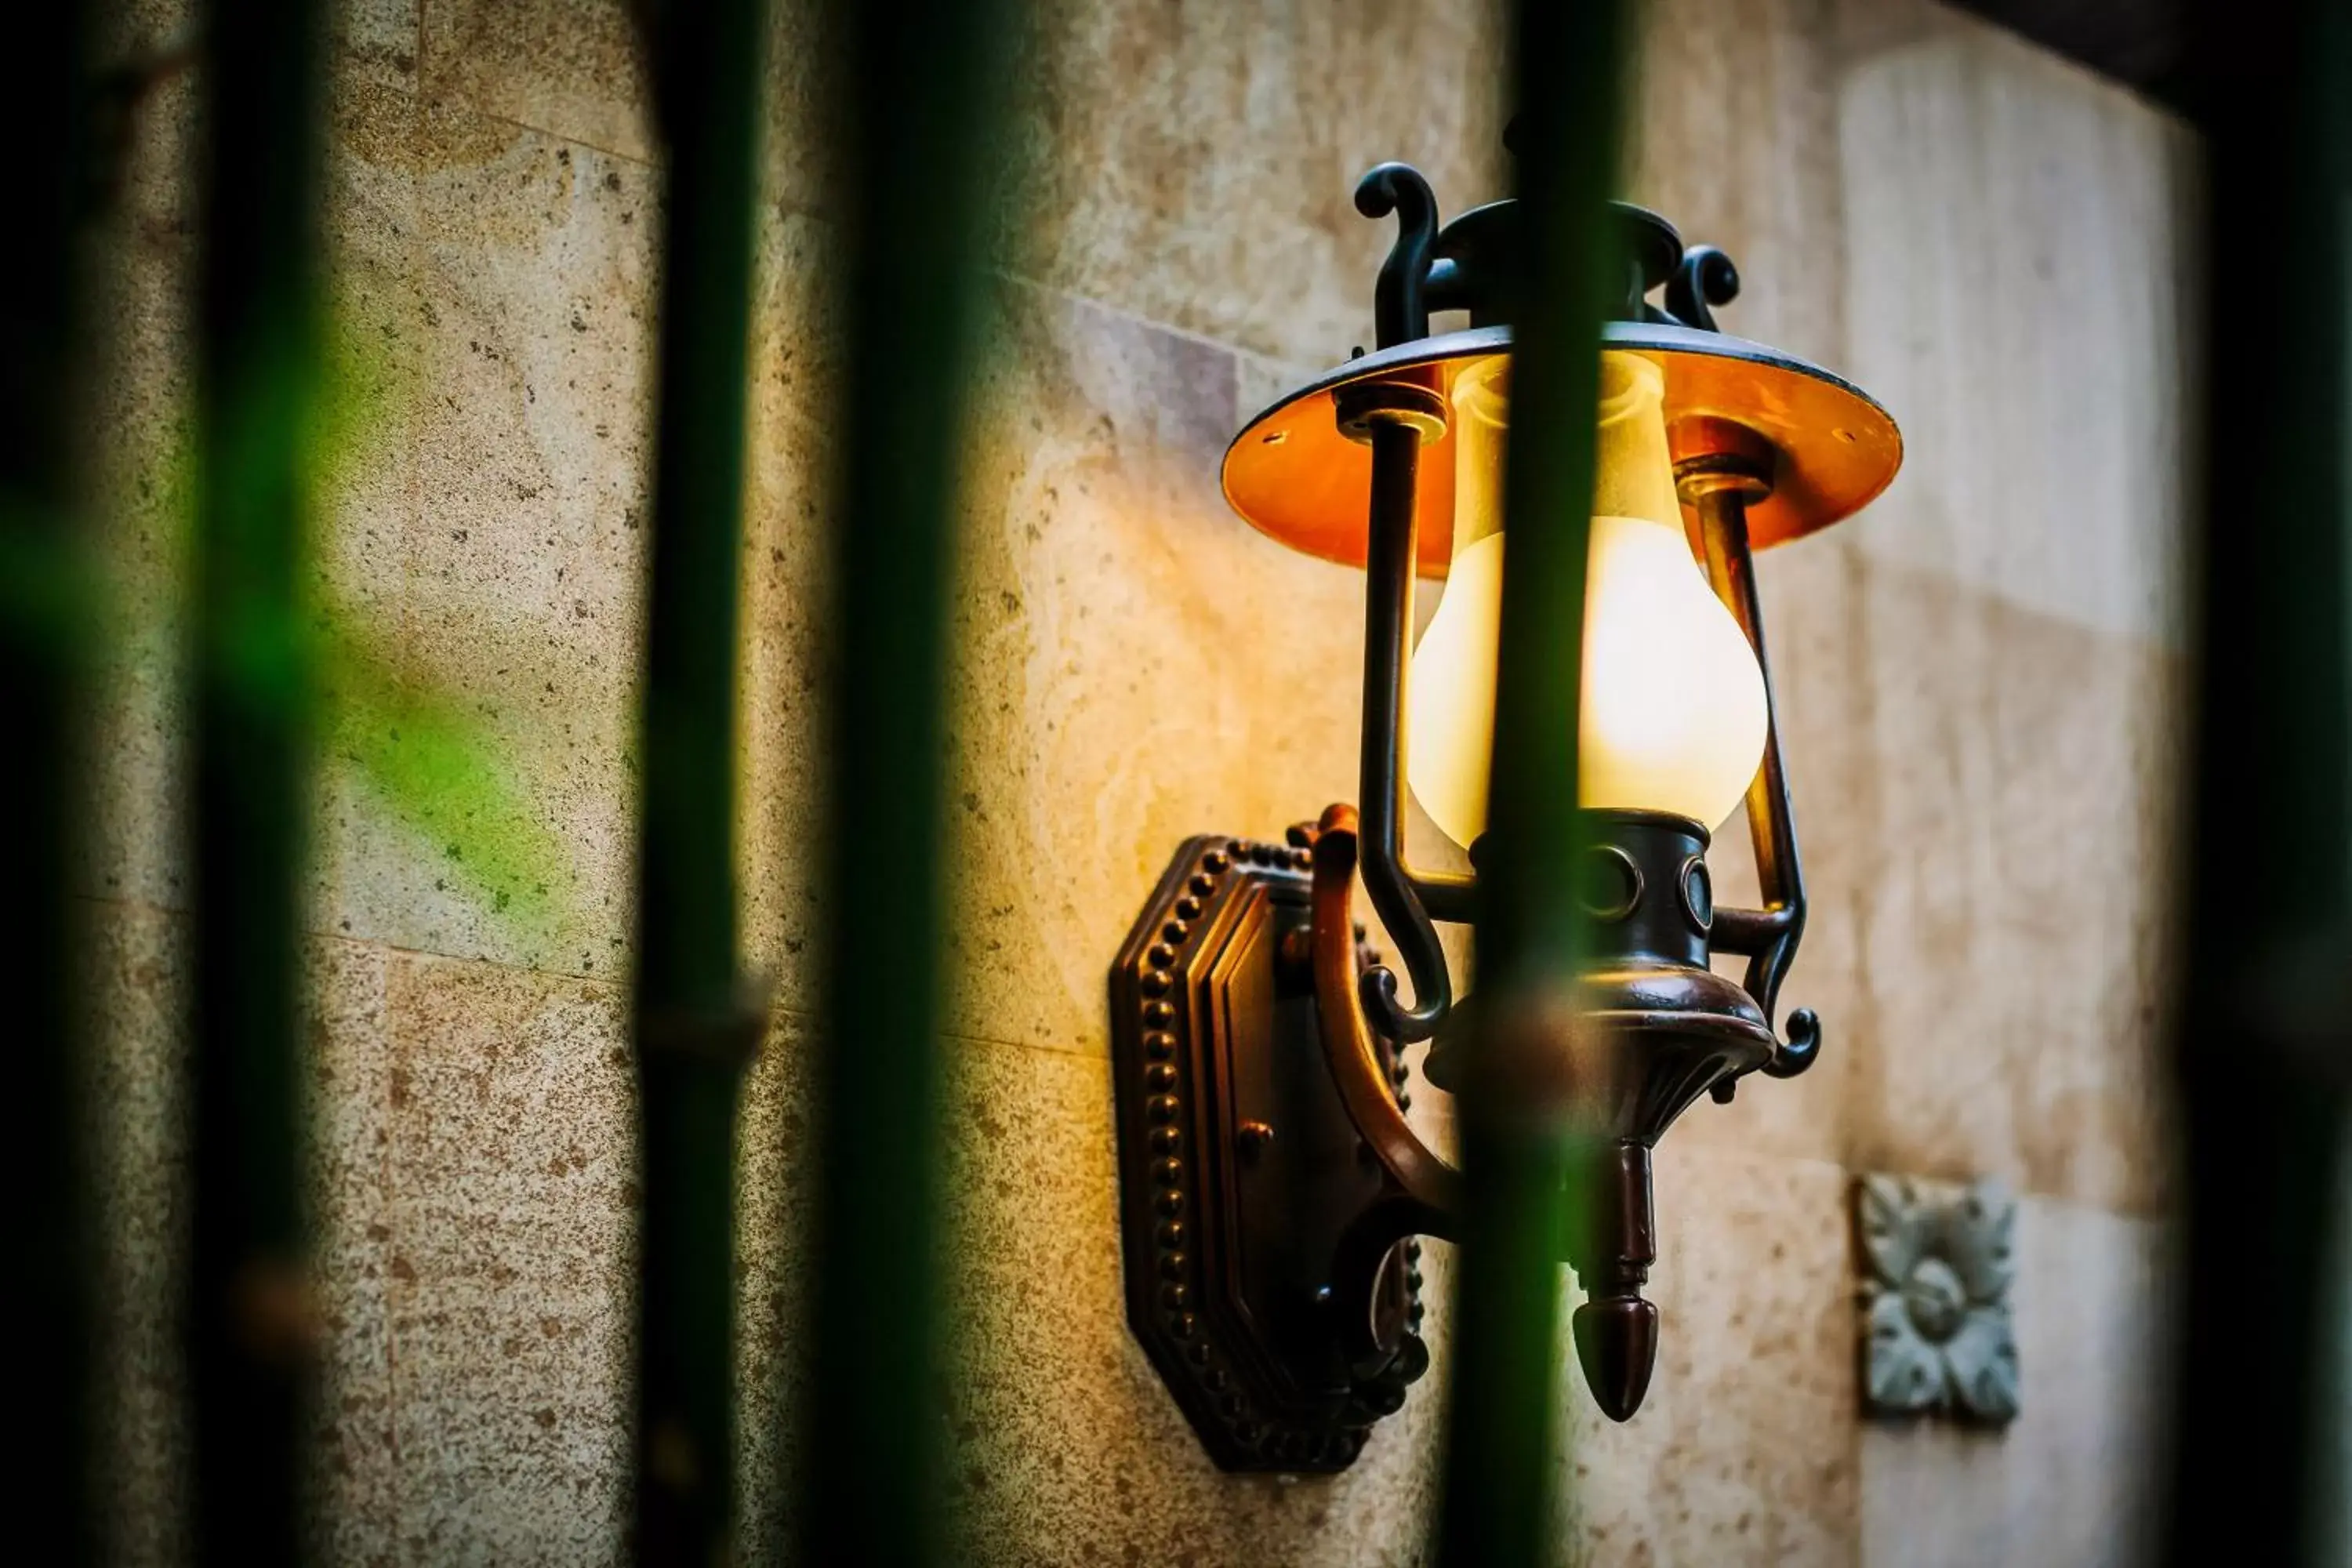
x=1400 y=306
x=1768 y=936
x=1704 y=278
x=1420 y=273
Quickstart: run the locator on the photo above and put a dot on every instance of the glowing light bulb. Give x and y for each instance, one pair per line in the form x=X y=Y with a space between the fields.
x=1673 y=713
x=1450 y=711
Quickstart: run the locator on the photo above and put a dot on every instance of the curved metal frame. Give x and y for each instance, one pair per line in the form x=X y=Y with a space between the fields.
x=1701 y=1038
x=1727 y=468
x=1396 y=418
x=1767 y=937
x=1421 y=1193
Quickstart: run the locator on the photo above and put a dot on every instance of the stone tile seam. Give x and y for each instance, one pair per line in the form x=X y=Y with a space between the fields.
x=2158 y=1219
x=387 y=1173
x=2157 y=646
x=809 y=212
x=417 y=53
x=1976 y=36
x=2139 y=641
x=421 y=96
x=2143 y=643
x=802 y=1016
x=805 y=1018
x=783 y=1014
x=1852 y=1169
x=2156 y=1224
x=1237 y=352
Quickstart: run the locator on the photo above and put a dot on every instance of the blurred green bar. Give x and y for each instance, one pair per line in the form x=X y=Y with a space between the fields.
x=695 y=1030
x=918 y=104
x=1502 y=1463
x=2264 y=1036
x=252 y=1322
x=45 y=103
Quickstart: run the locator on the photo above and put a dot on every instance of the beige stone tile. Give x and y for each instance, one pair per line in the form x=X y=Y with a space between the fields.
x=137 y=440
x=367 y=483
x=1259 y=383
x=573 y=68
x=354 y=1481
x=2086 y=735
x=2012 y=932
x=1814 y=593
x=1229 y=144
x=1743 y=1451
x=135 y=995
x=2070 y=1481
x=1809 y=593
x=137 y=998
x=463 y=379
x=1066 y=1449
x=1805 y=1117
x=774 y=1241
x=142 y=436
x=480 y=802
x=2016 y=296
x=1052 y=1407
x=1733 y=139
x=1134 y=664
x=512 y=1263
x=373 y=39
x=577 y=69
x=528 y=548
x=509 y=1249
x=794 y=434
x=139 y=28
x=377 y=40
x=1196 y=166
x=1983 y=798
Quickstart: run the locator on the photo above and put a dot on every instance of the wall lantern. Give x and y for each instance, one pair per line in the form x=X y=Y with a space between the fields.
x=1272 y=1191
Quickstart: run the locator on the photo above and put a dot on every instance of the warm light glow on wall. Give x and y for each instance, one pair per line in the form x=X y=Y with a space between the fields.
x=1674 y=714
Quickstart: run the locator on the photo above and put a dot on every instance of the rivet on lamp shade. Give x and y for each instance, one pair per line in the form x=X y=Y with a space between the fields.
x=1674 y=711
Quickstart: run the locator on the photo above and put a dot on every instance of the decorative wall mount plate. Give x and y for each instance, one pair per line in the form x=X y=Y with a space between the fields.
x=1241 y=1173
x=1937 y=1335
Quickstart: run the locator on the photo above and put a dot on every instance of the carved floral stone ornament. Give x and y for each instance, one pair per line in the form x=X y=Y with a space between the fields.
x=1937 y=1333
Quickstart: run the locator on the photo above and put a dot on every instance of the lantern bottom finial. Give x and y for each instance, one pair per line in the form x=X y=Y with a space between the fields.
x=1617 y=1331
x=1617 y=1345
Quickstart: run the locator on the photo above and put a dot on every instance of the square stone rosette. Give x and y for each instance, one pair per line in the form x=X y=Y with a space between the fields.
x=1937 y=1338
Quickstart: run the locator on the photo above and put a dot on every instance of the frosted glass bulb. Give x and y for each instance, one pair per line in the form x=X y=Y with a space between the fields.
x=1673 y=712
x=1450 y=715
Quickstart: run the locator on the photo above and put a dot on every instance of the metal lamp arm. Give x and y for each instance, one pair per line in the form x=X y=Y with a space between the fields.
x=1401 y=898
x=1395 y=418
x=1421 y=1193
x=1428 y=1191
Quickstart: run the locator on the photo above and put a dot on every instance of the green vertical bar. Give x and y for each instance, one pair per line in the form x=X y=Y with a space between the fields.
x=694 y=1030
x=45 y=104
x=251 y=1320
x=1500 y=1503
x=2265 y=1044
x=919 y=101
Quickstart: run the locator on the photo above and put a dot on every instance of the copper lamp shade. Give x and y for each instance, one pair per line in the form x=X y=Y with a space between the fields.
x=1296 y=477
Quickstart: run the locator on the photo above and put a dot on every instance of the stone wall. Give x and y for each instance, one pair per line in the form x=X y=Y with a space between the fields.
x=1977 y=679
